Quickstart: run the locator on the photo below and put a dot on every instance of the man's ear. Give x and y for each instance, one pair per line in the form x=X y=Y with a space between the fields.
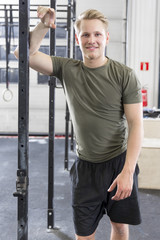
x=107 y=38
x=77 y=41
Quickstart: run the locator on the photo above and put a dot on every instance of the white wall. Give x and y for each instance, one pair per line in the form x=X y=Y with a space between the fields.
x=143 y=44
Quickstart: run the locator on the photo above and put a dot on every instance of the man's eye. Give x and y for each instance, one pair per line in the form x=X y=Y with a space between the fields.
x=85 y=35
x=98 y=34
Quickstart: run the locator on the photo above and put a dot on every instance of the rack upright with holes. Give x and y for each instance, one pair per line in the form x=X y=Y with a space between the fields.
x=71 y=12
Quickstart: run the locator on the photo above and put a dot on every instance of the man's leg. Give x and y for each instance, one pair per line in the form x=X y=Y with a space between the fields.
x=90 y=237
x=119 y=231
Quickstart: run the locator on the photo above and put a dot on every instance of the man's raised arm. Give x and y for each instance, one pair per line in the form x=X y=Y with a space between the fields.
x=37 y=60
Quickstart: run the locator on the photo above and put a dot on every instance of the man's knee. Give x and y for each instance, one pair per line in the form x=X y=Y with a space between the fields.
x=120 y=228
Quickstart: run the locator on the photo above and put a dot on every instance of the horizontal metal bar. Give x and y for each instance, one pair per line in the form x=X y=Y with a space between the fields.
x=14 y=4
x=9 y=24
x=61 y=10
x=60 y=5
x=32 y=5
x=60 y=18
x=8 y=9
x=16 y=17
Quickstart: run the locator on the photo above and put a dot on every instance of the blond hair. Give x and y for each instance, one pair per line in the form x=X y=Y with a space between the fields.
x=89 y=15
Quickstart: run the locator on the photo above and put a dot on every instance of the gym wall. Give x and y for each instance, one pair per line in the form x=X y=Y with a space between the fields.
x=134 y=38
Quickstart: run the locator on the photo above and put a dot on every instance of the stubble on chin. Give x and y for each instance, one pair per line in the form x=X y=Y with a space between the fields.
x=91 y=56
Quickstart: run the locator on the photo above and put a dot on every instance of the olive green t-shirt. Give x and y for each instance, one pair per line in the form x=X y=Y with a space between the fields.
x=95 y=98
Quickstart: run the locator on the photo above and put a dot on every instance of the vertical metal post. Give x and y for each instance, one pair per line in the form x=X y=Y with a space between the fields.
x=52 y=85
x=23 y=121
x=7 y=45
x=69 y=12
x=126 y=33
x=74 y=19
x=74 y=55
x=72 y=137
x=66 y=164
x=66 y=138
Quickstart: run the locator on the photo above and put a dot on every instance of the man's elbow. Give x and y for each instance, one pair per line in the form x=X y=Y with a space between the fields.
x=16 y=53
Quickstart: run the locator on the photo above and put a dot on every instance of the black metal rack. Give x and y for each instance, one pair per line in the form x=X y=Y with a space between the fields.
x=22 y=182
x=11 y=20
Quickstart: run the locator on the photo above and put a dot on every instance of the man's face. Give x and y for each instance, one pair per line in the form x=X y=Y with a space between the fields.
x=92 y=39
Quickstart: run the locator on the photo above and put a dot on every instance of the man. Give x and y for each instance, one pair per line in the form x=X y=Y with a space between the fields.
x=102 y=96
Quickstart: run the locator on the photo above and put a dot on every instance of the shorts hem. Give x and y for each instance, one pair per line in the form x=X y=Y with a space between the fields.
x=88 y=232
x=85 y=235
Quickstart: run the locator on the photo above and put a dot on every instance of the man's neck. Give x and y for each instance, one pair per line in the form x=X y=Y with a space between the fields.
x=93 y=63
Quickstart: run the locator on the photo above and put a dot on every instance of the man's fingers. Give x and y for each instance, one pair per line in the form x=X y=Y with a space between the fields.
x=52 y=12
x=120 y=195
x=41 y=11
x=52 y=25
x=124 y=188
x=112 y=187
x=117 y=195
x=47 y=16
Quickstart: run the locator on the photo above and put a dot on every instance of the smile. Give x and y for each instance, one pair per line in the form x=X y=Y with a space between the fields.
x=91 y=48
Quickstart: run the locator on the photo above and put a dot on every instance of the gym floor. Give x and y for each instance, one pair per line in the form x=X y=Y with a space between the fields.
x=38 y=196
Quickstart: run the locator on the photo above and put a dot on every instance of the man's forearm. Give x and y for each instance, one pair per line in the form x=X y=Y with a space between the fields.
x=124 y=181
x=135 y=138
x=35 y=38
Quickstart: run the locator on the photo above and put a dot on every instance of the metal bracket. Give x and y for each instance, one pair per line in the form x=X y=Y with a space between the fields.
x=21 y=183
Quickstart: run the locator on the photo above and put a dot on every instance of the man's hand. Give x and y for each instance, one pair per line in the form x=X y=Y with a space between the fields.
x=47 y=16
x=124 y=183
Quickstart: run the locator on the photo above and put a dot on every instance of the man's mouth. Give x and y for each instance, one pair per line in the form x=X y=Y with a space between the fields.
x=91 y=48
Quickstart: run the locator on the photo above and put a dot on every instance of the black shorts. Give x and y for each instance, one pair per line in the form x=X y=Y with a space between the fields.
x=91 y=200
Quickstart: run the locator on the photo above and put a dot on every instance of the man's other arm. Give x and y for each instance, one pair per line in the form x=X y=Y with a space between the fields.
x=124 y=180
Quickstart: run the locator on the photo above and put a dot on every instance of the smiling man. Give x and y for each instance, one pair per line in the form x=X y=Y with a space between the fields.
x=92 y=37
x=103 y=95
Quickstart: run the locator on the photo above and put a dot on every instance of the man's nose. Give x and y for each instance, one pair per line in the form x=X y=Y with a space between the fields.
x=91 y=39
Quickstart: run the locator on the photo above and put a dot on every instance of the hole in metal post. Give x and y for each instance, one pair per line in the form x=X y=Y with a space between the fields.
x=22 y=145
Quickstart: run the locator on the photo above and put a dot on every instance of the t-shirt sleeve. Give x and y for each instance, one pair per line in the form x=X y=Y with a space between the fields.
x=57 y=63
x=131 y=89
